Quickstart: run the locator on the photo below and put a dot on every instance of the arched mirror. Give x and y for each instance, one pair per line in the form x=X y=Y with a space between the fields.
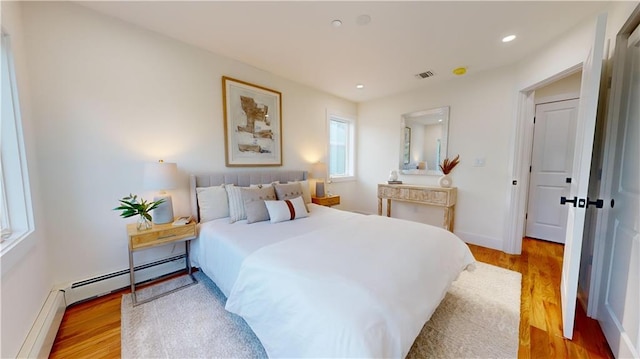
x=423 y=143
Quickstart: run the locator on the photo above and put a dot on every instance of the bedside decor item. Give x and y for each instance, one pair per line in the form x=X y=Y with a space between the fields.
x=161 y=176
x=319 y=173
x=252 y=124
x=130 y=206
x=447 y=166
x=393 y=176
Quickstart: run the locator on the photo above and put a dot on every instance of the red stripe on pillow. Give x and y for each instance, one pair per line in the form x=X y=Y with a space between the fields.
x=291 y=209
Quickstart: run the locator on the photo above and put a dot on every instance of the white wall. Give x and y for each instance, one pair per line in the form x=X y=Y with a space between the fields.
x=480 y=119
x=560 y=89
x=108 y=97
x=26 y=271
x=483 y=117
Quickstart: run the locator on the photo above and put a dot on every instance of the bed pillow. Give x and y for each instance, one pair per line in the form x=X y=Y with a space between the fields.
x=263 y=185
x=286 y=210
x=212 y=203
x=288 y=191
x=236 y=204
x=254 y=206
x=306 y=190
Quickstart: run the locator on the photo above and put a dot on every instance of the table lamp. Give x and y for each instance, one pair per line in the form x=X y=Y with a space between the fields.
x=161 y=176
x=319 y=173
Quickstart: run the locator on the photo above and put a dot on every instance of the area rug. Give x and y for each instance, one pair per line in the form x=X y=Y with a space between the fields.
x=479 y=318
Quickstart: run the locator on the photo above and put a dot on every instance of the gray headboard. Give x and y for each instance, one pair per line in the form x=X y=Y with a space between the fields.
x=242 y=179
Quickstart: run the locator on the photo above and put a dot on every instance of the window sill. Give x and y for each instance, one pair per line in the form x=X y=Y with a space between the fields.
x=342 y=179
x=10 y=242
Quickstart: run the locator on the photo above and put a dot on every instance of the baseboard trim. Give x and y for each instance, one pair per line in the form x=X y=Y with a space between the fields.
x=484 y=241
x=40 y=339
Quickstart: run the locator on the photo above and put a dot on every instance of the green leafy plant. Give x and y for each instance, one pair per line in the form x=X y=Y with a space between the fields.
x=130 y=206
x=448 y=165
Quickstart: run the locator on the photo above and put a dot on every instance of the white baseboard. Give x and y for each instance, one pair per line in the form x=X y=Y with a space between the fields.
x=43 y=332
x=484 y=241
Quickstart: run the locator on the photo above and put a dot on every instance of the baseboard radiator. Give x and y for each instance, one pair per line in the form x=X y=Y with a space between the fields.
x=105 y=284
x=43 y=333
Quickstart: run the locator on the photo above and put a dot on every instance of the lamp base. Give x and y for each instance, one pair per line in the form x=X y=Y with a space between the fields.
x=319 y=189
x=164 y=212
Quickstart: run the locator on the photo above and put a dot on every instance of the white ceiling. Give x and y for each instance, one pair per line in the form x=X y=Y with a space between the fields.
x=295 y=40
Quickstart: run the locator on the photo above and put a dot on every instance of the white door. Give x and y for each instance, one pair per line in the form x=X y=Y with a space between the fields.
x=551 y=161
x=589 y=90
x=619 y=309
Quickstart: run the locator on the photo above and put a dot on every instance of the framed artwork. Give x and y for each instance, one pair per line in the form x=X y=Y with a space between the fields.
x=252 y=124
x=407 y=146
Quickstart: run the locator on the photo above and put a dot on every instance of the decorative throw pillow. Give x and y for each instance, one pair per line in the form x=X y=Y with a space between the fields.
x=263 y=185
x=286 y=210
x=288 y=191
x=212 y=203
x=236 y=204
x=306 y=190
x=254 y=206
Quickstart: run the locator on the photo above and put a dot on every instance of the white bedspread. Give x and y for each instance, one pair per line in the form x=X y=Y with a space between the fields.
x=363 y=287
x=221 y=247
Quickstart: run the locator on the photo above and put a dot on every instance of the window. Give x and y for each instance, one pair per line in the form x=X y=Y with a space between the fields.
x=16 y=219
x=341 y=147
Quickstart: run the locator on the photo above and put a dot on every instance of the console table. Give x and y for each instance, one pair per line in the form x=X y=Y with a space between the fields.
x=432 y=196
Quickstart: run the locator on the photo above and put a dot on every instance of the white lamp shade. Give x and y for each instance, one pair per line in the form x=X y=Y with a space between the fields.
x=319 y=170
x=160 y=175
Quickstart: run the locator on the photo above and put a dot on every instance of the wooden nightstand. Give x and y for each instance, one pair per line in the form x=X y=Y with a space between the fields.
x=158 y=235
x=326 y=201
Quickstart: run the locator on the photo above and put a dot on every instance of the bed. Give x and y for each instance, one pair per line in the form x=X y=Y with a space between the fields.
x=330 y=284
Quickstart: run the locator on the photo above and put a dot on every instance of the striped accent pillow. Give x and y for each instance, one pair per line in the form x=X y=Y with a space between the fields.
x=236 y=203
x=287 y=210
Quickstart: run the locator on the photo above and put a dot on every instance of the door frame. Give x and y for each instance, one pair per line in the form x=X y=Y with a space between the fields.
x=521 y=156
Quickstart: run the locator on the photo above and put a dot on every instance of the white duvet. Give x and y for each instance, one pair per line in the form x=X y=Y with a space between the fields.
x=358 y=288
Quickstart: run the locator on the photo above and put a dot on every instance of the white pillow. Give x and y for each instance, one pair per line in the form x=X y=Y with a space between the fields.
x=212 y=202
x=236 y=203
x=287 y=210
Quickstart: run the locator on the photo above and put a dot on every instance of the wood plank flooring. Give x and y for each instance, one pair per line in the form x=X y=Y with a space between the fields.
x=92 y=329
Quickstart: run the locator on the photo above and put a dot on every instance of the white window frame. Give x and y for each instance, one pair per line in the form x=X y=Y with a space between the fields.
x=350 y=154
x=17 y=209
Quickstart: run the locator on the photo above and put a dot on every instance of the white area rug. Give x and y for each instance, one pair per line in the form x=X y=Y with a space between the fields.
x=479 y=318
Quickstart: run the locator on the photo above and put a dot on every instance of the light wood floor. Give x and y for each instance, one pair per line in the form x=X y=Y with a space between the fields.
x=92 y=329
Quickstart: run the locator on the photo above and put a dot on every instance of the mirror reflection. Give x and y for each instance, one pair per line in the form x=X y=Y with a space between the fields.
x=423 y=143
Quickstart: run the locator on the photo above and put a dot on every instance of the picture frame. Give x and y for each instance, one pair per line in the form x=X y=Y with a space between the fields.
x=252 y=124
x=406 y=155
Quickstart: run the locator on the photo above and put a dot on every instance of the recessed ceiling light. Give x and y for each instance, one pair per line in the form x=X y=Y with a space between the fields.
x=508 y=38
x=359 y=86
x=336 y=23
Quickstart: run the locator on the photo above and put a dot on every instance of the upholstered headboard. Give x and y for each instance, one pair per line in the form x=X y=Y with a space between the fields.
x=242 y=179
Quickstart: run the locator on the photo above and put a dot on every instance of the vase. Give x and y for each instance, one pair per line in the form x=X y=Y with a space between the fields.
x=445 y=181
x=143 y=223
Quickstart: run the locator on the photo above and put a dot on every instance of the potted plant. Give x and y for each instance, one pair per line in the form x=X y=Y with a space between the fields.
x=447 y=166
x=130 y=206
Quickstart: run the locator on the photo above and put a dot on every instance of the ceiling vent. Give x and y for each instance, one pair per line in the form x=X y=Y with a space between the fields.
x=424 y=75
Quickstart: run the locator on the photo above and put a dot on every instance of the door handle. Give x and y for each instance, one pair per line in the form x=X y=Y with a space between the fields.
x=598 y=203
x=564 y=200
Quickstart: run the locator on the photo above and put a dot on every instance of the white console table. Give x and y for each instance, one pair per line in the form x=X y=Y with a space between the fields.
x=432 y=196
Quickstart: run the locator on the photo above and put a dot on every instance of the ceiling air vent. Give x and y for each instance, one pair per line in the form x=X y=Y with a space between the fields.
x=424 y=75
